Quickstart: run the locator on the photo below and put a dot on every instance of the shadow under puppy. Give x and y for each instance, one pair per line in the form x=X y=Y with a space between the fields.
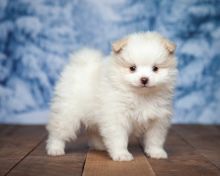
x=127 y=93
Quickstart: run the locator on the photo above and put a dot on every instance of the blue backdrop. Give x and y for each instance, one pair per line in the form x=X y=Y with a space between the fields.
x=36 y=38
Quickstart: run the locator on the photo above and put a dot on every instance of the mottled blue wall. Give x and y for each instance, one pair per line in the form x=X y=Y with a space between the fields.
x=36 y=38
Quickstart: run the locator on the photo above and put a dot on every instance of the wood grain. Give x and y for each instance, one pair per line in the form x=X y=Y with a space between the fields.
x=16 y=142
x=205 y=139
x=38 y=163
x=99 y=164
x=193 y=151
x=183 y=160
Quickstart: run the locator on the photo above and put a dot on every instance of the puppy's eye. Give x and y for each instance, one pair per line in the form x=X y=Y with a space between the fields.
x=132 y=68
x=155 y=68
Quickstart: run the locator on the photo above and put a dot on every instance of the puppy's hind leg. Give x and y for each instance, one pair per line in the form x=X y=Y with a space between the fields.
x=61 y=127
x=95 y=140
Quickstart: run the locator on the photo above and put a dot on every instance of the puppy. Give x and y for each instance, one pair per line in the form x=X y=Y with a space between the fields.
x=127 y=93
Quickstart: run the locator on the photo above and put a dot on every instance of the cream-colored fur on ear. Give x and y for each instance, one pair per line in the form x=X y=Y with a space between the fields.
x=118 y=45
x=170 y=46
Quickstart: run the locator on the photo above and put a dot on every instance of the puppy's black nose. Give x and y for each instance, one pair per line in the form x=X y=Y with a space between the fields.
x=144 y=80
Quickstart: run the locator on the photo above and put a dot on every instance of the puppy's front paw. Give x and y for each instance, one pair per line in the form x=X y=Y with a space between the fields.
x=55 y=151
x=157 y=153
x=122 y=156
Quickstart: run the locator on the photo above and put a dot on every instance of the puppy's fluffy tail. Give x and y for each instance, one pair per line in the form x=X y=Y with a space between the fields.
x=86 y=56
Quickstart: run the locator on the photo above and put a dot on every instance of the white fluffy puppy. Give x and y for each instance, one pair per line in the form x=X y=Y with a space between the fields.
x=127 y=93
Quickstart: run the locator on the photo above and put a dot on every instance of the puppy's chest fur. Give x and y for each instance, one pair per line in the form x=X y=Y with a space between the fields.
x=142 y=111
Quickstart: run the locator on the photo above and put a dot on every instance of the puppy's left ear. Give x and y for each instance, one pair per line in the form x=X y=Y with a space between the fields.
x=118 y=45
x=170 y=46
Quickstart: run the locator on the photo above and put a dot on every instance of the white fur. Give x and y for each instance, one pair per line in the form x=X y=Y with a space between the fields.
x=110 y=101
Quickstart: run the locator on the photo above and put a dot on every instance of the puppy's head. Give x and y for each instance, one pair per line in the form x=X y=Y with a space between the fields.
x=145 y=60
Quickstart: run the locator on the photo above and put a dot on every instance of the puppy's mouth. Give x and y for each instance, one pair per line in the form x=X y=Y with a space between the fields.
x=146 y=86
x=142 y=86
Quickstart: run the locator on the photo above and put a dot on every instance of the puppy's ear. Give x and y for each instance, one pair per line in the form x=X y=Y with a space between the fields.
x=170 y=46
x=118 y=45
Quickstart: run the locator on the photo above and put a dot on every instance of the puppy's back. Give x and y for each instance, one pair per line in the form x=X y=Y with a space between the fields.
x=79 y=80
x=86 y=56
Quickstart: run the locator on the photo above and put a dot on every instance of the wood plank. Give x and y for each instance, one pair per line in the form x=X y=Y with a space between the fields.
x=183 y=160
x=99 y=164
x=192 y=150
x=4 y=129
x=16 y=142
x=205 y=139
x=38 y=163
x=217 y=126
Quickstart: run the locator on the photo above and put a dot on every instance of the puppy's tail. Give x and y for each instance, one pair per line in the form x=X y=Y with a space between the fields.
x=86 y=56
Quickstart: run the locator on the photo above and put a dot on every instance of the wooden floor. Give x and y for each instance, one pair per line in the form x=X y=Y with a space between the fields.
x=193 y=151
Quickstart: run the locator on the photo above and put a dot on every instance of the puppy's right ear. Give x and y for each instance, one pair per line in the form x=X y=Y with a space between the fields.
x=170 y=46
x=118 y=45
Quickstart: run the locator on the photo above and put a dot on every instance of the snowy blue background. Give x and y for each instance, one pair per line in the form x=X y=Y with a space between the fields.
x=36 y=37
